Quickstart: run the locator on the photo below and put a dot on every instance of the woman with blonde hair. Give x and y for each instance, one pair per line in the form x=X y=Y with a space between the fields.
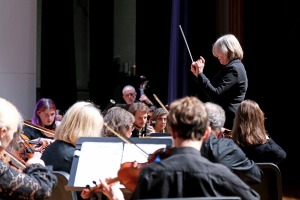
x=82 y=119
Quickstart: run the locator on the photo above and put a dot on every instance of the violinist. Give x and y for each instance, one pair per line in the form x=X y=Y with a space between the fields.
x=120 y=120
x=44 y=118
x=158 y=120
x=36 y=181
x=82 y=119
x=141 y=126
x=225 y=151
x=185 y=173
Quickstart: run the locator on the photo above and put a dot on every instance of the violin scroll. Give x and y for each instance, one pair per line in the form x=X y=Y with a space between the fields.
x=160 y=154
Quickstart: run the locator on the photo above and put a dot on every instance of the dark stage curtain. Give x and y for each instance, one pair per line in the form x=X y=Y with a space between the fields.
x=58 y=72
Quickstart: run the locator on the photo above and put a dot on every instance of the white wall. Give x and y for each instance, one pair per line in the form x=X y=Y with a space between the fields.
x=18 y=23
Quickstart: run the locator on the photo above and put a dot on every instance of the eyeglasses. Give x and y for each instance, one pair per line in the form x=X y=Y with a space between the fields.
x=129 y=94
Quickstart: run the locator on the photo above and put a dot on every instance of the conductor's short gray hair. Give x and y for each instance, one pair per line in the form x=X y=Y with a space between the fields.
x=216 y=115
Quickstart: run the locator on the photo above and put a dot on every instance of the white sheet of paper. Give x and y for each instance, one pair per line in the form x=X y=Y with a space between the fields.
x=98 y=160
x=103 y=160
x=132 y=153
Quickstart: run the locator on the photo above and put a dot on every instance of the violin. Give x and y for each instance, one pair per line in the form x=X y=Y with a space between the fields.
x=28 y=147
x=128 y=173
x=12 y=160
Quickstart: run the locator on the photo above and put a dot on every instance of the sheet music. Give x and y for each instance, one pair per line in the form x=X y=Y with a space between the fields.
x=98 y=160
x=103 y=160
x=132 y=153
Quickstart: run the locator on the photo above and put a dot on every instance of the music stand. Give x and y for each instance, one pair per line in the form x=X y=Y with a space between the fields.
x=102 y=156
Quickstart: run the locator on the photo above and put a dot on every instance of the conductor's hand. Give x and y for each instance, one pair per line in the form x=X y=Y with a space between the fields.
x=198 y=66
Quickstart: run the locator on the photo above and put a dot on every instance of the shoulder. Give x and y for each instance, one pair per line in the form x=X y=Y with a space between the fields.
x=236 y=65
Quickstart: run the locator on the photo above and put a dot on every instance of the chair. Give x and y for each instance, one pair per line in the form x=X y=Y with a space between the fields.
x=270 y=187
x=59 y=191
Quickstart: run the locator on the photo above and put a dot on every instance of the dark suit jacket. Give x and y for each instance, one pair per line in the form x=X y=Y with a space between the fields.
x=227 y=88
x=226 y=152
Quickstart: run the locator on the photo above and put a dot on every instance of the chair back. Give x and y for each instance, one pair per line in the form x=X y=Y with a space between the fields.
x=270 y=187
x=59 y=191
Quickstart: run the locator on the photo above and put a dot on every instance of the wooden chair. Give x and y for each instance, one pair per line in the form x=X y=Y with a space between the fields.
x=59 y=192
x=270 y=187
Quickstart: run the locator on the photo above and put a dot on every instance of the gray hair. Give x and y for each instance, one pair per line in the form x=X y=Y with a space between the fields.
x=216 y=115
x=228 y=45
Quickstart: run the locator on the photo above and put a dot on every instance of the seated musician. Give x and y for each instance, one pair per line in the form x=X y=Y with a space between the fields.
x=44 y=116
x=158 y=120
x=120 y=120
x=184 y=173
x=82 y=119
x=35 y=181
x=140 y=111
x=225 y=151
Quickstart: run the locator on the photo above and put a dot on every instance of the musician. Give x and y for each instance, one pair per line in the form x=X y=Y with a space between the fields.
x=120 y=120
x=229 y=86
x=130 y=96
x=185 y=173
x=225 y=151
x=82 y=119
x=36 y=181
x=158 y=120
x=250 y=134
x=44 y=115
x=140 y=111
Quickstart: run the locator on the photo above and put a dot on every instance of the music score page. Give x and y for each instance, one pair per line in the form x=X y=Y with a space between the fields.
x=103 y=160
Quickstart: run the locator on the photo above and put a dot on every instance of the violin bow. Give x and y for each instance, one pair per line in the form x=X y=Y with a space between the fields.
x=50 y=132
x=187 y=46
x=160 y=103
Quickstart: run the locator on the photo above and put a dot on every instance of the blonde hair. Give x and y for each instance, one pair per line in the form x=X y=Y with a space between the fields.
x=82 y=119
